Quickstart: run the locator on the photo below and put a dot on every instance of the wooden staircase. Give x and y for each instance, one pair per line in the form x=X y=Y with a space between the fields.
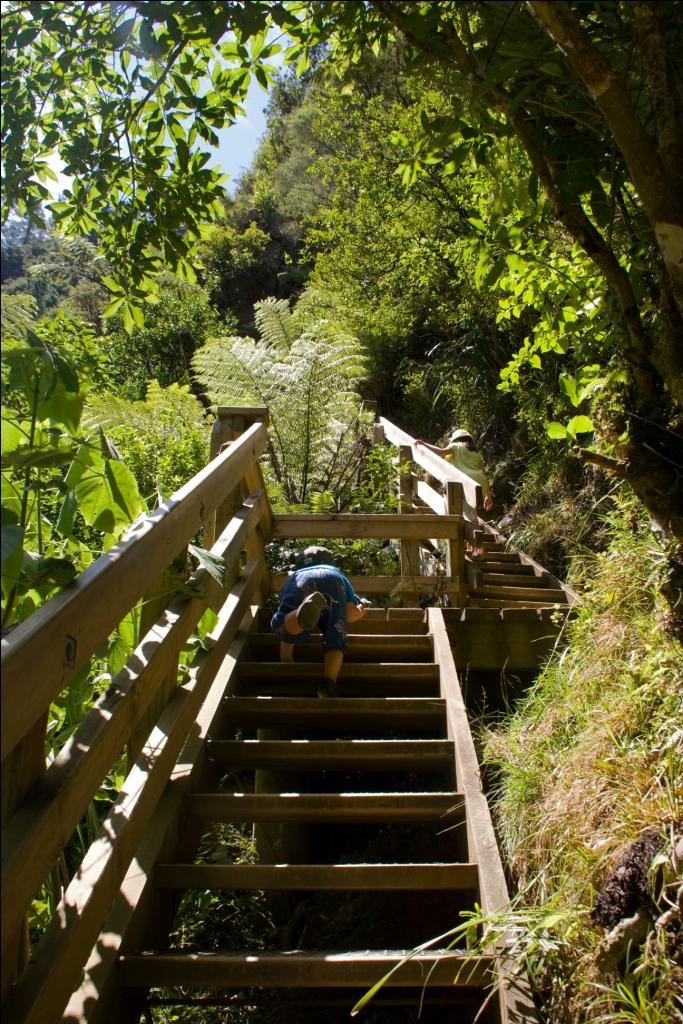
x=505 y=578
x=390 y=760
x=371 y=801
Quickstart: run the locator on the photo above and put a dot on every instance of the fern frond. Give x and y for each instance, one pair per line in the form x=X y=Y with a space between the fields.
x=236 y=371
x=275 y=325
x=18 y=314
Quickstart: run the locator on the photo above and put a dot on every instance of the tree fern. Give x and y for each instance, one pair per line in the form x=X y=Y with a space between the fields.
x=275 y=323
x=308 y=382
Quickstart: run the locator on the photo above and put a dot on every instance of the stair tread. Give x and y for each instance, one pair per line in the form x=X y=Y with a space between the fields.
x=335 y=711
x=548 y=594
x=387 y=647
x=505 y=568
x=357 y=679
x=391 y=754
x=360 y=807
x=424 y=875
x=298 y=968
x=504 y=579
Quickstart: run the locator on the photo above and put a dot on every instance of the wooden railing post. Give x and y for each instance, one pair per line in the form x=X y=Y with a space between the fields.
x=410 y=549
x=229 y=423
x=20 y=772
x=455 y=549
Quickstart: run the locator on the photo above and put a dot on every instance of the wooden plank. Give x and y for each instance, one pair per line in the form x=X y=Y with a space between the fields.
x=20 y=771
x=520 y=614
x=508 y=579
x=40 y=829
x=511 y=567
x=471 y=614
x=42 y=654
x=383 y=585
x=303 y=970
x=57 y=962
x=323 y=877
x=505 y=557
x=355 y=525
x=327 y=807
x=549 y=595
x=360 y=648
x=350 y=755
x=432 y=498
x=501 y=604
x=356 y=679
x=96 y=997
x=516 y=1004
x=360 y=672
x=433 y=463
x=482 y=840
x=381 y=711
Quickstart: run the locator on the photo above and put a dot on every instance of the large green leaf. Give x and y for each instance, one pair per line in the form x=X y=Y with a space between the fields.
x=106 y=493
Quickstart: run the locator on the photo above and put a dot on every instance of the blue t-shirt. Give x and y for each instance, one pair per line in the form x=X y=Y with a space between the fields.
x=350 y=595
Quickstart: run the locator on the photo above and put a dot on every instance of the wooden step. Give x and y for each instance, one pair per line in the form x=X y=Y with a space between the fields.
x=510 y=566
x=303 y=970
x=384 y=647
x=378 y=621
x=505 y=579
x=371 y=679
x=509 y=557
x=388 y=712
x=348 y=755
x=319 y=877
x=501 y=604
x=547 y=594
x=447 y=807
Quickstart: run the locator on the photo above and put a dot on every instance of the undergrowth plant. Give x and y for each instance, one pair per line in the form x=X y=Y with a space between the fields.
x=589 y=762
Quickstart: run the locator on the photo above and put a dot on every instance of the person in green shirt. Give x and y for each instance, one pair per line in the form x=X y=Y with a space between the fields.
x=462 y=454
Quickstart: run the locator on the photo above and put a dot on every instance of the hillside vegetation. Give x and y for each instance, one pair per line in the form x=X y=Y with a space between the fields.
x=460 y=214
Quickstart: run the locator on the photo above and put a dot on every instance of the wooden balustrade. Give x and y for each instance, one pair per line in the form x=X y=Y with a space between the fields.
x=149 y=710
x=459 y=496
x=43 y=805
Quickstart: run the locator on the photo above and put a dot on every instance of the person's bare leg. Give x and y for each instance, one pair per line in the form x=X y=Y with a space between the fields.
x=292 y=624
x=333 y=664
x=286 y=651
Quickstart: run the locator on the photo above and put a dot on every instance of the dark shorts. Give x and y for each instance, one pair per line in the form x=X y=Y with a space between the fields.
x=332 y=622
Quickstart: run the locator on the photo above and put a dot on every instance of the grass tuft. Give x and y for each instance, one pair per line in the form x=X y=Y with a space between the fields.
x=591 y=760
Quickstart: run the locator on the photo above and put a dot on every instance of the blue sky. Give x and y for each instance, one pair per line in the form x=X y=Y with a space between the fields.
x=238 y=142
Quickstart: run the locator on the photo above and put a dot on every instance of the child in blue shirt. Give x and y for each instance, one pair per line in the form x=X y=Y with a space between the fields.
x=318 y=594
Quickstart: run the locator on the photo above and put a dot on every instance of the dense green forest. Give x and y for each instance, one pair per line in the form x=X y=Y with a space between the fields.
x=460 y=214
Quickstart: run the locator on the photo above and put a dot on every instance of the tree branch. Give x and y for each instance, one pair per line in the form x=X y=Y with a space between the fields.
x=616 y=466
x=658 y=191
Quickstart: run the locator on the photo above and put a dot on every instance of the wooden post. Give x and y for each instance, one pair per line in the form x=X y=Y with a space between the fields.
x=410 y=549
x=455 y=550
x=377 y=434
x=230 y=422
x=20 y=771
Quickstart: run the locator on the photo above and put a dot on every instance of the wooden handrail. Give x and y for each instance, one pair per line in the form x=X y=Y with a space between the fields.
x=433 y=463
x=36 y=834
x=44 y=652
x=378 y=527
